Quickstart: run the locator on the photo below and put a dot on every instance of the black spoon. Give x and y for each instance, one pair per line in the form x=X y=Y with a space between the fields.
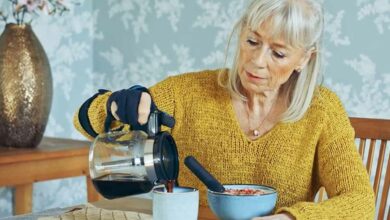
x=204 y=176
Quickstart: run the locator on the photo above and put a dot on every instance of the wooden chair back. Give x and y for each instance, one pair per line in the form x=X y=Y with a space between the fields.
x=369 y=132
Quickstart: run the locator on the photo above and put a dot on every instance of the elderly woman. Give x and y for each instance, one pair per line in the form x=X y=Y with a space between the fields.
x=263 y=121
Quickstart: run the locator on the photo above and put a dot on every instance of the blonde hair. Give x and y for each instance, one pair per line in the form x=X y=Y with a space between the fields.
x=300 y=23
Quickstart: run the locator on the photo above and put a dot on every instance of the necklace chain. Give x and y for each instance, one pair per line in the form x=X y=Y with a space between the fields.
x=256 y=131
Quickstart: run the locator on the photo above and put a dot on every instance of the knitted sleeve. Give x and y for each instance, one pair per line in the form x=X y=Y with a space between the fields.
x=340 y=170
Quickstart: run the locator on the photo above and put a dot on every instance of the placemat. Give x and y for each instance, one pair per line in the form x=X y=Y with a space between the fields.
x=94 y=213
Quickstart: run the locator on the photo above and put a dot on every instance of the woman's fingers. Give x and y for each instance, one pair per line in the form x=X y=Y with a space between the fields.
x=114 y=108
x=144 y=108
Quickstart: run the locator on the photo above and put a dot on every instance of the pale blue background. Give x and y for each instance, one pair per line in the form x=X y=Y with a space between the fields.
x=116 y=43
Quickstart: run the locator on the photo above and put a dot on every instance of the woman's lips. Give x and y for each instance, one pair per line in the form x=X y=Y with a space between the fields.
x=253 y=77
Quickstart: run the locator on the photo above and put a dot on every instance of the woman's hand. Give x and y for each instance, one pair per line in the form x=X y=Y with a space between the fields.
x=143 y=108
x=282 y=216
x=130 y=106
x=133 y=106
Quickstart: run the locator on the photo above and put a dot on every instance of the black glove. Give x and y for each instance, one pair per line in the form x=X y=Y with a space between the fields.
x=127 y=101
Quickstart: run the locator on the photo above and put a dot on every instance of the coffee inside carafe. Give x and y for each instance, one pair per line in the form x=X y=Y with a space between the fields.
x=113 y=186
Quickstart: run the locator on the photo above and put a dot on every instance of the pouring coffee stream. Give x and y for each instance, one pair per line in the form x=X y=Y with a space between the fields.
x=205 y=176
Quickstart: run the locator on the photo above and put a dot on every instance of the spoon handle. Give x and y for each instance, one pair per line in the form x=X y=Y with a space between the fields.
x=204 y=176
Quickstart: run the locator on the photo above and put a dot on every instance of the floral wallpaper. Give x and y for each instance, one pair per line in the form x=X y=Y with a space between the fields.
x=114 y=44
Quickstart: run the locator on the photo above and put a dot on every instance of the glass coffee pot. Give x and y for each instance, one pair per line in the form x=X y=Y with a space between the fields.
x=124 y=163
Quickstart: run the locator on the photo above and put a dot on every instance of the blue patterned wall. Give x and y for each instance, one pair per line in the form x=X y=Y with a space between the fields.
x=117 y=43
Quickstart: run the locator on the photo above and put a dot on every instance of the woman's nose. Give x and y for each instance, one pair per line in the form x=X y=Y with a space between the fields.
x=259 y=57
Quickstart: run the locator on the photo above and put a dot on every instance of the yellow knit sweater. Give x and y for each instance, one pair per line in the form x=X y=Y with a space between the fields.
x=295 y=158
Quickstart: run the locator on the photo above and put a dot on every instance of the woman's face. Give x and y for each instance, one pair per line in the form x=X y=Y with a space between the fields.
x=265 y=63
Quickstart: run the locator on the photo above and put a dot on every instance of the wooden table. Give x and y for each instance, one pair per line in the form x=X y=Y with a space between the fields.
x=54 y=158
x=144 y=206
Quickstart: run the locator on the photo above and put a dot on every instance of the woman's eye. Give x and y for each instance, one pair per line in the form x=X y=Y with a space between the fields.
x=252 y=42
x=278 y=54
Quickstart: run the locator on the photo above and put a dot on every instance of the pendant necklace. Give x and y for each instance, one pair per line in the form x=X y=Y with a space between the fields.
x=256 y=131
